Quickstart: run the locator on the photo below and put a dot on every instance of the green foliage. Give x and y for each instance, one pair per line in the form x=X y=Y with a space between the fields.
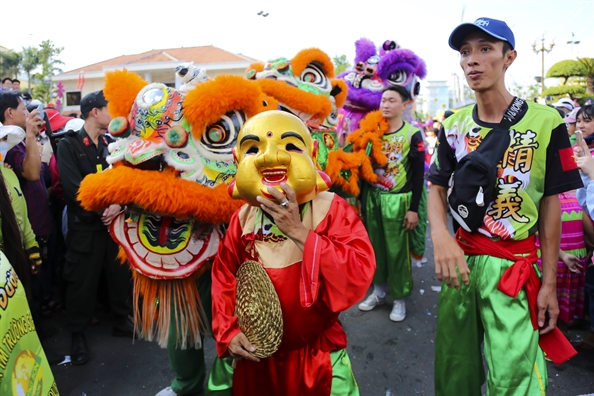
x=49 y=67
x=528 y=92
x=560 y=90
x=580 y=71
x=420 y=115
x=565 y=69
x=29 y=62
x=340 y=64
x=9 y=64
x=588 y=65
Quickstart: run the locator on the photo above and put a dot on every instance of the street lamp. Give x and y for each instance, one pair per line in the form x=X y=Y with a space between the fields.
x=572 y=42
x=542 y=50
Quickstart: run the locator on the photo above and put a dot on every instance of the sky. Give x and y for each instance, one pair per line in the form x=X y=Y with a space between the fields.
x=92 y=32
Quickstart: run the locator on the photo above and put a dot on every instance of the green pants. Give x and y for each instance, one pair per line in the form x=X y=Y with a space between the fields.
x=188 y=364
x=480 y=313
x=383 y=215
x=220 y=381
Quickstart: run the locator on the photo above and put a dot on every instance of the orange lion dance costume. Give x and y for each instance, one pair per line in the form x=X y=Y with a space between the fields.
x=171 y=166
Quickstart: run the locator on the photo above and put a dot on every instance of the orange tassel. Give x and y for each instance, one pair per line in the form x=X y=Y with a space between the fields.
x=153 y=302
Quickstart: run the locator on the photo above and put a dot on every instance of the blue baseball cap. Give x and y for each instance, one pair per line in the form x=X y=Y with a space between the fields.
x=492 y=27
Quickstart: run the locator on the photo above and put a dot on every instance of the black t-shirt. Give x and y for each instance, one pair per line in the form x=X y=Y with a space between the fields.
x=75 y=161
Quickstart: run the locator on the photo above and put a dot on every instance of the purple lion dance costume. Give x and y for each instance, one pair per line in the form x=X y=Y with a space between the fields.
x=375 y=70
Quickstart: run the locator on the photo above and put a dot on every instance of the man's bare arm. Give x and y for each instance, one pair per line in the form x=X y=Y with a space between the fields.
x=447 y=254
x=32 y=160
x=549 y=233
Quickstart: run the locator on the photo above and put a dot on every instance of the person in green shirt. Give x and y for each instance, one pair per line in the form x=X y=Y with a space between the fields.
x=9 y=137
x=483 y=300
x=394 y=208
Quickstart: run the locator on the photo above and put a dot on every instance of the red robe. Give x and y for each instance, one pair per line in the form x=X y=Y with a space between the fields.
x=314 y=286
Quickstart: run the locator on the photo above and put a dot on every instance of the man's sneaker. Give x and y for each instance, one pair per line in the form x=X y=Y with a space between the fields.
x=166 y=392
x=371 y=302
x=398 y=311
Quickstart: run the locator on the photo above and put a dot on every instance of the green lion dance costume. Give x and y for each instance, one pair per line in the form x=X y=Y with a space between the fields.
x=305 y=86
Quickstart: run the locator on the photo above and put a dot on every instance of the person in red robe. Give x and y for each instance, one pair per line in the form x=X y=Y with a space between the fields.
x=315 y=250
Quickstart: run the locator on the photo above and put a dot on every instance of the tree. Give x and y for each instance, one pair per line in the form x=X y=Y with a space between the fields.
x=47 y=53
x=29 y=62
x=588 y=65
x=566 y=69
x=340 y=63
x=562 y=90
x=9 y=64
x=579 y=73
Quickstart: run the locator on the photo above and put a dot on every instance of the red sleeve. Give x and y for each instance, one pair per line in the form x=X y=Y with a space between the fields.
x=338 y=262
x=224 y=268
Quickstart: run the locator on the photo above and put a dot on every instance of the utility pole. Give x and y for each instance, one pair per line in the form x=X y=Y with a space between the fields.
x=572 y=42
x=542 y=50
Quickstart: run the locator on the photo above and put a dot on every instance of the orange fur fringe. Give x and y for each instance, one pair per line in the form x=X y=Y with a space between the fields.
x=270 y=103
x=296 y=98
x=160 y=192
x=156 y=300
x=339 y=161
x=342 y=96
x=207 y=102
x=257 y=66
x=371 y=129
x=312 y=55
x=121 y=89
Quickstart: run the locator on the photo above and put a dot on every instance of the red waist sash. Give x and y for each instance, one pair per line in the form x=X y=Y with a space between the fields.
x=520 y=274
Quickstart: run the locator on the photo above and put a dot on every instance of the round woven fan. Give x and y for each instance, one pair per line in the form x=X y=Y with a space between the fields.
x=258 y=309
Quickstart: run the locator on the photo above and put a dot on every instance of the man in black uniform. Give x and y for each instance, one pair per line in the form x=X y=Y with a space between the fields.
x=90 y=247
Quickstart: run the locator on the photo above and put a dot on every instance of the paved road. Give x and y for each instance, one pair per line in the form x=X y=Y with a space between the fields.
x=385 y=355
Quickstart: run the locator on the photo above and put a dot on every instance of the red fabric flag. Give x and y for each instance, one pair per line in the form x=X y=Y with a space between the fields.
x=567 y=159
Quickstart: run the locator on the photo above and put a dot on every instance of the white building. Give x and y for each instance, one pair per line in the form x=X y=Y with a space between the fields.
x=152 y=66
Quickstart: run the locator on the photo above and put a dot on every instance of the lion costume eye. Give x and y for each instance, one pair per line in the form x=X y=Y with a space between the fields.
x=399 y=77
x=220 y=138
x=313 y=74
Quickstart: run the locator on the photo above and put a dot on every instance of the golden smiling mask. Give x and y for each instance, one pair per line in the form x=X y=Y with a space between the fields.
x=275 y=147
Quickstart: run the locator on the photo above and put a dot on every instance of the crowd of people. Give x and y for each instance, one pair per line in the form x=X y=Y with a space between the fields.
x=541 y=213
x=72 y=247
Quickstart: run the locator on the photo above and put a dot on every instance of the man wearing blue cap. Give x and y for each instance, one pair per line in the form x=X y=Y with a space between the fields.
x=502 y=299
